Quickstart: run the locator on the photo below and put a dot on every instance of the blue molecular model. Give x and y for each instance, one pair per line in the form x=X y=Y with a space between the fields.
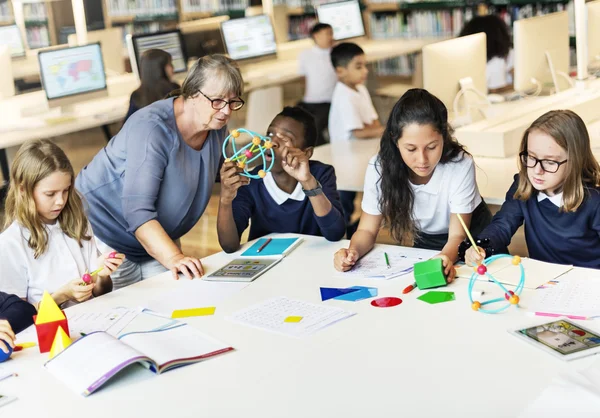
x=254 y=150
x=510 y=297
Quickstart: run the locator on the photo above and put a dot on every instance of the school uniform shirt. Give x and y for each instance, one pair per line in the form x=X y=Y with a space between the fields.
x=269 y=209
x=551 y=234
x=63 y=261
x=315 y=65
x=498 y=70
x=451 y=189
x=16 y=311
x=350 y=109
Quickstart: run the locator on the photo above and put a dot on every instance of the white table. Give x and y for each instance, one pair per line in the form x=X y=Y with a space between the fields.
x=413 y=360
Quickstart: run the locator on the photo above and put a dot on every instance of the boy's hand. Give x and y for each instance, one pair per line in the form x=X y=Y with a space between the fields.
x=344 y=259
x=7 y=336
x=449 y=270
x=111 y=264
x=295 y=162
x=474 y=259
x=231 y=181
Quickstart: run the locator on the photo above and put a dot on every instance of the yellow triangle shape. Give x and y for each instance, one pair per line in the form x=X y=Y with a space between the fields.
x=49 y=310
x=61 y=341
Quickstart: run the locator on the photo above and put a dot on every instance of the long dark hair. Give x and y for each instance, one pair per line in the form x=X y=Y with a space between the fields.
x=496 y=32
x=155 y=83
x=397 y=199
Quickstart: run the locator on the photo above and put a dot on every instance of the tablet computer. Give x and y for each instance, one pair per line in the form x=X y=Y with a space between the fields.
x=562 y=339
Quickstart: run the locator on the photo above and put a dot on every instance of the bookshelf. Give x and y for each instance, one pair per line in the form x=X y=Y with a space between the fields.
x=6 y=14
x=40 y=29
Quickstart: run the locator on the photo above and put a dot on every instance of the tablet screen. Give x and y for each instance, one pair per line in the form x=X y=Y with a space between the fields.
x=562 y=337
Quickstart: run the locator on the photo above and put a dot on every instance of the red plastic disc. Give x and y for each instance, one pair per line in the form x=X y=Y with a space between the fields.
x=386 y=302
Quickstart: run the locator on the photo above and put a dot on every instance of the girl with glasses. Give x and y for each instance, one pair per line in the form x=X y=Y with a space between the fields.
x=556 y=195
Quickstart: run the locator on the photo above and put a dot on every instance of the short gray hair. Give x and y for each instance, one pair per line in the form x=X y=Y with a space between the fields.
x=204 y=69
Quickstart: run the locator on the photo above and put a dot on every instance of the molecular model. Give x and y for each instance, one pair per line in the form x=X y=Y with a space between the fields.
x=251 y=152
x=510 y=297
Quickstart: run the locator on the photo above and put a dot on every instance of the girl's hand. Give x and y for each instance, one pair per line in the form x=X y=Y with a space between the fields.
x=449 y=271
x=345 y=258
x=474 y=259
x=191 y=267
x=7 y=336
x=76 y=291
x=111 y=262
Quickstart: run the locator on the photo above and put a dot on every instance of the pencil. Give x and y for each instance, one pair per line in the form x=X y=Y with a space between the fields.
x=387 y=260
x=262 y=247
x=468 y=234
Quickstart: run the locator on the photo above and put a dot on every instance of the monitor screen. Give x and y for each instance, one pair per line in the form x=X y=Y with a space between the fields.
x=70 y=71
x=170 y=42
x=344 y=17
x=249 y=37
x=11 y=36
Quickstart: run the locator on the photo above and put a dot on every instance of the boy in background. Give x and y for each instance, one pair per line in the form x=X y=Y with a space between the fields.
x=320 y=77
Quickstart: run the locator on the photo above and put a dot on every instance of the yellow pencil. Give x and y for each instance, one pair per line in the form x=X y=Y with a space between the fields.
x=468 y=233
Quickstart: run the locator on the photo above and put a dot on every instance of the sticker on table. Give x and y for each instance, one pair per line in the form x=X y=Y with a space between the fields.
x=434 y=297
x=386 y=302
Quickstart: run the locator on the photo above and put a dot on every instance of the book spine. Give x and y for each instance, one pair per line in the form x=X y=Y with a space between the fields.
x=114 y=371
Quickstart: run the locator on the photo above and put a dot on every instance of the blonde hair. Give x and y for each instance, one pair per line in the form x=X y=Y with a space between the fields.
x=35 y=161
x=207 y=67
x=570 y=133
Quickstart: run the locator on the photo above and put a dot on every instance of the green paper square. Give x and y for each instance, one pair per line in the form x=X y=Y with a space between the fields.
x=437 y=297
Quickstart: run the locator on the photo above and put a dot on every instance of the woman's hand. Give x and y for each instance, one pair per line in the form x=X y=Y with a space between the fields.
x=7 y=336
x=191 y=267
x=345 y=258
x=112 y=261
x=231 y=181
x=472 y=258
x=449 y=270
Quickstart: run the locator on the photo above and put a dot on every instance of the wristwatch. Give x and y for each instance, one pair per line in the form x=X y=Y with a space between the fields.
x=314 y=192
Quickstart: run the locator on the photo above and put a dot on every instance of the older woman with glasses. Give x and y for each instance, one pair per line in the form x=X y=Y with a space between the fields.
x=153 y=181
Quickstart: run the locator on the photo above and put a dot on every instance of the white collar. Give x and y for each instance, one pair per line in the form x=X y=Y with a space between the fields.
x=556 y=200
x=278 y=195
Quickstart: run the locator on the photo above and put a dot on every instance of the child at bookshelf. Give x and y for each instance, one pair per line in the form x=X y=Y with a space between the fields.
x=499 y=70
x=48 y=244
x=15 y=316
x=421 y=178
x=320 y=78
x=352 y=114
x=556 y=195
x=298 y=195
x=156 y=72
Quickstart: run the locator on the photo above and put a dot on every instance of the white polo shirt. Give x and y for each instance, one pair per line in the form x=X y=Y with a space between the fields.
x=350 y=109
x=27 y=277
x=498 y=70
x=278 y=195
x=452 y=189
x=315 y=65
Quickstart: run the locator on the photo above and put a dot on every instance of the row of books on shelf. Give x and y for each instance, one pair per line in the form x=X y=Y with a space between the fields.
x=300 y=26
x=191 y=6
x=34 y=11
x=420 y=24
x=400 y=66
x=38 y=37
x=305 y=3
x=141 y=7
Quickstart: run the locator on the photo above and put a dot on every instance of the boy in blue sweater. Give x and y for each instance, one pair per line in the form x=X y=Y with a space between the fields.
x=296 y=196
x=15 y=316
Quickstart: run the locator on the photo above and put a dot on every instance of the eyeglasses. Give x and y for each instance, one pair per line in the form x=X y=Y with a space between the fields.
x=549 y=166
x=219 y=104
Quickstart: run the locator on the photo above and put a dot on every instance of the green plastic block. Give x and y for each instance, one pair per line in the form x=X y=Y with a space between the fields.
x=430 y=274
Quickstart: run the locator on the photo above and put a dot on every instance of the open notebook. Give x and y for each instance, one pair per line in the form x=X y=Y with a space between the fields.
x=159 y=351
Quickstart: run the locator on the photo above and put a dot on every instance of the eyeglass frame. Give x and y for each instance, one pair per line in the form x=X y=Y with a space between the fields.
x=540 y=162
x=227 y=102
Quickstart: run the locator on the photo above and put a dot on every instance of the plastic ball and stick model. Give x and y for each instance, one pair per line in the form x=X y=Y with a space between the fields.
x=87 y=277
x=254 y=150
x=510 y=297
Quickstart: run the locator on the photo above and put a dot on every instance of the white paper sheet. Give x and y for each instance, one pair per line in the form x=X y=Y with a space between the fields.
x=113 y=321
x=572 y=296
x=195 y=294
x=402 y=260
x=271 y=314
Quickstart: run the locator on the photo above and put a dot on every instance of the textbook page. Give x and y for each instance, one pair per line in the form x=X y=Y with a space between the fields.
x=373 y=264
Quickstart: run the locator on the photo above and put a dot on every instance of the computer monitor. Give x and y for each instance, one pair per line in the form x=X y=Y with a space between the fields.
x=11 y=37
x=344 y=17
x=593 y=27
x=72 y=75
x=203 y=37
x=249 y=37
x=169 y=41
x=541 y=52
x=448 y=63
